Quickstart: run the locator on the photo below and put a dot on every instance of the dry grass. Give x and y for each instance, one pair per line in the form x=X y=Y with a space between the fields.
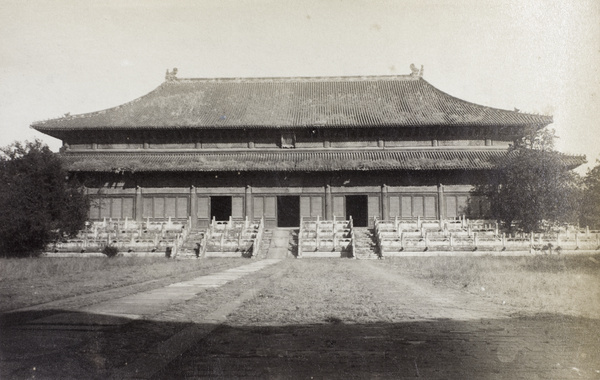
x=317 y=291
x=13 y=269
x=567 y=284
x=31 y=281
x=334 y=290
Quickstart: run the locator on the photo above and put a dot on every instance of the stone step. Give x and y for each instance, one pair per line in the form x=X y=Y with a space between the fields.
x=366 y=246
x=265 y=243
x=187 y=248
x=293 y=243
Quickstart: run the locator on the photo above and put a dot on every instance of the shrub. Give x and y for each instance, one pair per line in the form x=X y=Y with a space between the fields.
x=533 y=187
x=110 y=251
x=590 y=204
x=40 y=203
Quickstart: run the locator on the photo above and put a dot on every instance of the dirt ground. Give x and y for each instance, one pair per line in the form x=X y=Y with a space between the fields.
x=317 y=318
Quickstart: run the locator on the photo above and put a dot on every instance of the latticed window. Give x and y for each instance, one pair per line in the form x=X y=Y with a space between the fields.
x=111 y=207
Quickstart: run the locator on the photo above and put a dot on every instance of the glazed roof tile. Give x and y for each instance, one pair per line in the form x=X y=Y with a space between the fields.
x=291 y=103
x=433 y=159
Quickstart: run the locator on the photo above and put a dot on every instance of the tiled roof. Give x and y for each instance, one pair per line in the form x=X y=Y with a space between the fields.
x=291 y=103
x=434 y=159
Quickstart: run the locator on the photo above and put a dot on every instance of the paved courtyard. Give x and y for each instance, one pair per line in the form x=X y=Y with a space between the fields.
x=290 y=319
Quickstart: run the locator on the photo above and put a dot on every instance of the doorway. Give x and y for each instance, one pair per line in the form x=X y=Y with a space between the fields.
x=288 y=211
x=220 y=208
x=357 y=208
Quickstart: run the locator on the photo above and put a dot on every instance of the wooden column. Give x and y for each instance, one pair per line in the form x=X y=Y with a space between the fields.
x=328 y=203
x=194 y=205
x=441 y=203
x=248 y=203
x=138 y=204
x=385 y=203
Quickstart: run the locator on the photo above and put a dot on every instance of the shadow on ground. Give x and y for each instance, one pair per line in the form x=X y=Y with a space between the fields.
x=58 y=344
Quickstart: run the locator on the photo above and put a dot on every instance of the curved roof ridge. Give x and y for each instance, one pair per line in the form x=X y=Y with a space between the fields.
x=550 y=117
x=295 y=79
x=100 y=112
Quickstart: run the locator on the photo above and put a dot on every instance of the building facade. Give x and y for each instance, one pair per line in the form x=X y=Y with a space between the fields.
x=282 y=148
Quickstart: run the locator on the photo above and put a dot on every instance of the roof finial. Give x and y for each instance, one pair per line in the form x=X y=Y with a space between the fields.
x=415 y=72
x=171 y=75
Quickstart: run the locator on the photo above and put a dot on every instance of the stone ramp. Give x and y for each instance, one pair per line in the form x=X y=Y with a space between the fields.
x=279 y=247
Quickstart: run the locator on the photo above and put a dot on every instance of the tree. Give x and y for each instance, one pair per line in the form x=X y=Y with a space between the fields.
x=534 y=187
x=590 y=200
x=39 y=202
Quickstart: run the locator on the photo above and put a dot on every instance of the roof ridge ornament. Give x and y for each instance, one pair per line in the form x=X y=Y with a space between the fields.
x=171 y=76
x=415 y=72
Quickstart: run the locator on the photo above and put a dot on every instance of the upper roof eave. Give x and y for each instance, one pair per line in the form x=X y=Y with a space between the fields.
x=205 y=103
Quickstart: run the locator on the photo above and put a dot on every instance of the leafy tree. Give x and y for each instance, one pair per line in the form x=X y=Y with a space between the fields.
x=536 y=139
x=533 y=188
x=39 y=203
x=590 y=200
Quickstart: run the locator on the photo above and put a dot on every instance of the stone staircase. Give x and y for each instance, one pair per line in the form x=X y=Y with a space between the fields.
x=282 y=243
x=365 y=243
x=293 y=243
x=265 y=244
x=186 y=251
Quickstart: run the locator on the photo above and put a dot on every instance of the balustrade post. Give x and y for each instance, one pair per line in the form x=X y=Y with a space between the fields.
x=138 y=204
x=385 y=203
x=531 y=240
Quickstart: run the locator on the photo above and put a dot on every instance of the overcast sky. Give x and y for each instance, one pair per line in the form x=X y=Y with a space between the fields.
x=540 y=56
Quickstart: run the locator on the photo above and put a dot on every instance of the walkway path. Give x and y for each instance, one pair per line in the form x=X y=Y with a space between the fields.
x=40 y=344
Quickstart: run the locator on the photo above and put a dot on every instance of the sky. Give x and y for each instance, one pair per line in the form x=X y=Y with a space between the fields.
x=72 y=56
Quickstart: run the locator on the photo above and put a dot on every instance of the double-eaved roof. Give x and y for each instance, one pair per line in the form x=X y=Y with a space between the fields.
x=286 y=161
x=289 y=103
x=286 y=103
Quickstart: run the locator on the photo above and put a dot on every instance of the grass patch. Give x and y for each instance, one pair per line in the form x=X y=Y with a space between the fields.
x=334 y=291
x=30 y=281
x=14 y=269
x=568 y=284
x=321 y=291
